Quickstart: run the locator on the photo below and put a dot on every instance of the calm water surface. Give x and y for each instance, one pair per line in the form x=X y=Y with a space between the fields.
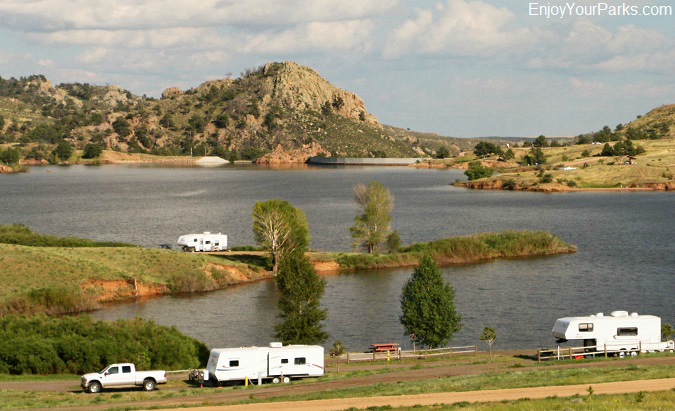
x=626 y=257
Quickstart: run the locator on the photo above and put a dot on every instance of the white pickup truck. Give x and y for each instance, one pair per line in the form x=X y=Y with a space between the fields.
x=122 y=375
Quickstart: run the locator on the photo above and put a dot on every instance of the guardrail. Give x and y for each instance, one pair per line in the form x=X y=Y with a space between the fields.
x=400 y=354
x=597 y=350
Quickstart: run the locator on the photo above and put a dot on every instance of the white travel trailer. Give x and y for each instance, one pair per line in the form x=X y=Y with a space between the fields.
x=617 y=332
x=203 y=242
x=276 y=363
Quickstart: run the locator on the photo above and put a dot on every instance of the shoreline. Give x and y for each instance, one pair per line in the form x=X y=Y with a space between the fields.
x=499 y=184
x=129 y=273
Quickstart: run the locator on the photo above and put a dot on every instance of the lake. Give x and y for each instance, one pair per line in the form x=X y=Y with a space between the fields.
x=626 y=257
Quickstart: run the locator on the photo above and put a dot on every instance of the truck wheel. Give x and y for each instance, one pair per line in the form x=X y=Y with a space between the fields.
x=276 y=380
x=94 y=387
x=149 y=385
x=287 y=380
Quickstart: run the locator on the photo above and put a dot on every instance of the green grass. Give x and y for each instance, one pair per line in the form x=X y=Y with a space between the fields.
x=657 y=400
x=58 y=279
x=21 y=235
x=454 y=250
x=512 y=379
x=654 y=166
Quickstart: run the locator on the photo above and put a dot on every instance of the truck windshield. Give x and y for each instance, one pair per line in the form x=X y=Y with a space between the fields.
x=103 y=370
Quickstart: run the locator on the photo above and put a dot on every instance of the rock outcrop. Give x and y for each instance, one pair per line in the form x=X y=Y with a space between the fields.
x=281 y=155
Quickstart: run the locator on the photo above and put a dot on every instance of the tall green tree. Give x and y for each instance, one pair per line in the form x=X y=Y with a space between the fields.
x=301 y=291
x=427 y=304
x=281 y=228
x=371 y=228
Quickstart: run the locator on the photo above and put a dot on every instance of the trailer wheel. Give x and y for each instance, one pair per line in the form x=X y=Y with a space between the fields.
x=287 y=380
x=149 y=385
x=276 y=380
x=94 y=387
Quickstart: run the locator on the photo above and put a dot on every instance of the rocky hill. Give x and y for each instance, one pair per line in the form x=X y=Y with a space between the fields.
x=277 y=111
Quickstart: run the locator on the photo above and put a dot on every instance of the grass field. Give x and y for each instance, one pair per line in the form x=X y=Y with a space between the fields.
x=41 y=279
x=658 y=400
x=517 y=378
x=466 y=249
x=656 y=165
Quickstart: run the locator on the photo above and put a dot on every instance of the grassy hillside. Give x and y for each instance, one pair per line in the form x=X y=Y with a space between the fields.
x=654 y=168
x=239 y=118
x=58 y=279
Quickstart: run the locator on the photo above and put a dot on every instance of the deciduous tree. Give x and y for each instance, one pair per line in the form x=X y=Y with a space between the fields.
x=489 y=336
x=280 y=227
x=372 y=227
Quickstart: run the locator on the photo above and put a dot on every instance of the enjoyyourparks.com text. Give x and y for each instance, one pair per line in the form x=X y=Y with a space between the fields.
x=573 y=9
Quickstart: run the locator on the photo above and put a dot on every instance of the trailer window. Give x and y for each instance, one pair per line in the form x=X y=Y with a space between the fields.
x=284 y=360
x=126 y=369
x=586 y=327
x=234 y=363
x=208 y=242
x=625 y=332
x=113 y=370
x=300 y=361
x=195 y=240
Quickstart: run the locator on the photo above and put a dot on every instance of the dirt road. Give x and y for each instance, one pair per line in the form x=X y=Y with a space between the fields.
x=452 y=397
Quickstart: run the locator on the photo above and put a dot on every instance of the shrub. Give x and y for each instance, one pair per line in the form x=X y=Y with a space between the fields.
x=42 y=345
x=63 y=150
x=10 y=156
x=546 y=178
x=585 y=153
x=92 y=151
x=477 y=170
x=393 y=242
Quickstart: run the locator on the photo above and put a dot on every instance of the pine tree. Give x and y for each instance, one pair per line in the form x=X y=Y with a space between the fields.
x=427 y=302
x=301 y=291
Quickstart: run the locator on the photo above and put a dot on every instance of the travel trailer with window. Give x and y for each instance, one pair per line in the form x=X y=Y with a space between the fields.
x=203 y=242
x=618 y=331
x=276 y=363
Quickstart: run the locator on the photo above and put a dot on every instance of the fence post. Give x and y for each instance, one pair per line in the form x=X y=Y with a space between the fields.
x=475 y=351
x=605 y=350
x=538 y=355
x=373 y=356
x=639 y=347
x=347 y=358
x=570 y=353
x=450 y=352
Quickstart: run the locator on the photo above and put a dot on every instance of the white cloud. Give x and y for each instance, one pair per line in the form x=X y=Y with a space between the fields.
x=151 y=38
x=316 y=36
x=459 y=27
x=134 y=14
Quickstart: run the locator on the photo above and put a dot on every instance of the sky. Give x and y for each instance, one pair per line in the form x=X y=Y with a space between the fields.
x=459 y=68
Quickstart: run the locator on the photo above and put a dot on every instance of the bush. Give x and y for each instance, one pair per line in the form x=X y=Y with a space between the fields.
x=10 y=156
x=393 y=242
x=63 y=150
x=477 y=170
x=546 y=178
x=45 y=345
x=92 y=151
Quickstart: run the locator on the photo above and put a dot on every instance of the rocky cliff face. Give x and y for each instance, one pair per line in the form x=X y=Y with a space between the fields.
x=282 y=111
x=300 y=88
